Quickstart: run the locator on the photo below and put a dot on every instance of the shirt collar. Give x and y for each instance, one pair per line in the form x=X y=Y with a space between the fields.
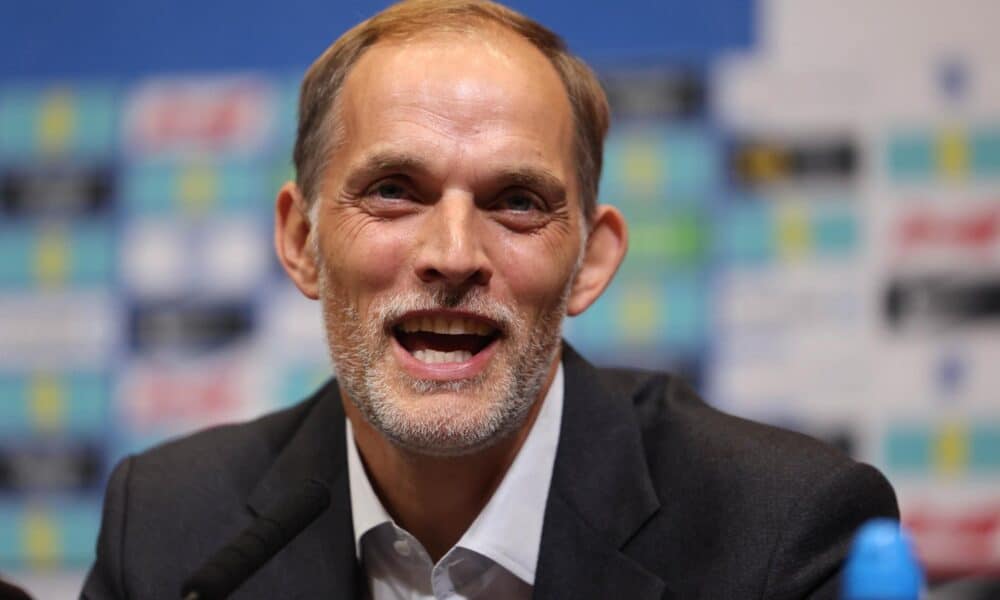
x=367 y=511
x=517 y=505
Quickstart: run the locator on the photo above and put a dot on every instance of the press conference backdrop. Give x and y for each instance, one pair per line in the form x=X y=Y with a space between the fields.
x=813 y=191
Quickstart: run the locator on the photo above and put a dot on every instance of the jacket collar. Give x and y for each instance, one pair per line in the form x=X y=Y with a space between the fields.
x=601 y=496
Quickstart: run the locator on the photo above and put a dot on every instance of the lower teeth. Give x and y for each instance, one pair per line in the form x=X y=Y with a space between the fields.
x=434 y=356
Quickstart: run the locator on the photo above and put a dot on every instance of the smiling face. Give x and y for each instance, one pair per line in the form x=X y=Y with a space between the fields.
x=447 y=237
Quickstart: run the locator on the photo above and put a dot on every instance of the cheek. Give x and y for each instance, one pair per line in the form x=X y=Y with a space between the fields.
x=368 y=262
x=535 y=269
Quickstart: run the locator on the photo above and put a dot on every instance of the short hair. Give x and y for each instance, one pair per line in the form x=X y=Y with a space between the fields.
x=325 y=78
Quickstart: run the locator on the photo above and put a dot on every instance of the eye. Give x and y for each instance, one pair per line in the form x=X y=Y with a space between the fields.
x=520 y=209
x=390 y=197
x=389 y=190
x=518 y=201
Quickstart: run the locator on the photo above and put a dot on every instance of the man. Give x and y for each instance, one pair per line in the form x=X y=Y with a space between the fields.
x=444 y=216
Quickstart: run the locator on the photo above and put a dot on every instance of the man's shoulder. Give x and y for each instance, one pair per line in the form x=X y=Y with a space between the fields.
x=746 y=509
x=676 y=422
x=167 y=509
x=231 y=456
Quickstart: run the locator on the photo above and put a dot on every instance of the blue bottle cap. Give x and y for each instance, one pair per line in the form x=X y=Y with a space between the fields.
x=882 y=564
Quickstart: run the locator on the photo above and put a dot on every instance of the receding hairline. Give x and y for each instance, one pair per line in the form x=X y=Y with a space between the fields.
x=487 y=31
x=322 y=85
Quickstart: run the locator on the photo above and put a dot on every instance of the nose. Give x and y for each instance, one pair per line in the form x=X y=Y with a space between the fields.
x=450 y=249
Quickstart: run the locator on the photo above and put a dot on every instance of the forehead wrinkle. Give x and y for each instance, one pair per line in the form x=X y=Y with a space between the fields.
x=453 y=126
x=466 y=110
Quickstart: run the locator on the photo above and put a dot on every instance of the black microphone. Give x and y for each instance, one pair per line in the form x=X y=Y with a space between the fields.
x=272 y=531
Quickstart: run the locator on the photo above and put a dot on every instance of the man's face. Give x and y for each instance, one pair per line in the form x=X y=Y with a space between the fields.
x=448 y=233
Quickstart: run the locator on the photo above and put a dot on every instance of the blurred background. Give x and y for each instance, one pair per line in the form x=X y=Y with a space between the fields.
x=814 y=196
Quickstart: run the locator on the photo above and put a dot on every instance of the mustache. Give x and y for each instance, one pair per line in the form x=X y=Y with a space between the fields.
x=392 y=309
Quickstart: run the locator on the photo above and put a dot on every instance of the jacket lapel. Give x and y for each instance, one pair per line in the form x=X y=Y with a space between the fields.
x=320 y=562
x=601 y=495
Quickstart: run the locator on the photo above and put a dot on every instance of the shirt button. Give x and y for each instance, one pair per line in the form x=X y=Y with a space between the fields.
x=402 y=547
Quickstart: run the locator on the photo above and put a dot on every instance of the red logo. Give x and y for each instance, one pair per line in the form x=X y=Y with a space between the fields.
x=200 y=115
x=956 y=543
x=156 y=397
x=961 y=235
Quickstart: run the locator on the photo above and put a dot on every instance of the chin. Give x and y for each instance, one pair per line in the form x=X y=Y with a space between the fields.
x=442 y=378
x=446 y=418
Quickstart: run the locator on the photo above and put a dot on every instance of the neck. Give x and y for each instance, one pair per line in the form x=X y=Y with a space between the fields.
x=436 y=498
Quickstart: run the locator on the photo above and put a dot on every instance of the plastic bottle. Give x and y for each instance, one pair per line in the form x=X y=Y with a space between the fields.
x=882 y=564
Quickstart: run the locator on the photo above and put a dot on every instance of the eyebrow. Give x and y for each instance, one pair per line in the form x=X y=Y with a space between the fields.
x=526 y=175
x=382 y=161
x=535 y=178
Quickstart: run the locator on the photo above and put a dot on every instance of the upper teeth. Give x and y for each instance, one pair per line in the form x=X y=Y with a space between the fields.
x=433 y=356
x=447 y=325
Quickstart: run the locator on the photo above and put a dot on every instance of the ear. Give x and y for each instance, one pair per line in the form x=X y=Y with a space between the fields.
x=292 y=231
x=604 y=252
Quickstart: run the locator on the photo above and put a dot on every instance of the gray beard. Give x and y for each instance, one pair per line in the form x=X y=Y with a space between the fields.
x=495 y=403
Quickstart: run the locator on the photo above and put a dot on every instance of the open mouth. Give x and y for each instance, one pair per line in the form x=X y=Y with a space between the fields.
x=435 y=339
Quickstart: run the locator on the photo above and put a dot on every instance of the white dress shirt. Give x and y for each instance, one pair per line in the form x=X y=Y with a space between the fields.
x=495 y=558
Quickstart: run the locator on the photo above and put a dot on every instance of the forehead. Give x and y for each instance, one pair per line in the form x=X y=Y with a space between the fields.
x=490 y=86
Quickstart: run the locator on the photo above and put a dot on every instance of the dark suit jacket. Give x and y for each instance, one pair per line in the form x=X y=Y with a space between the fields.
x=654 y=495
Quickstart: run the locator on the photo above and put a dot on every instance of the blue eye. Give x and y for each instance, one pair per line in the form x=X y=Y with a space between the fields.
x=390 y=190
x=519 y=202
